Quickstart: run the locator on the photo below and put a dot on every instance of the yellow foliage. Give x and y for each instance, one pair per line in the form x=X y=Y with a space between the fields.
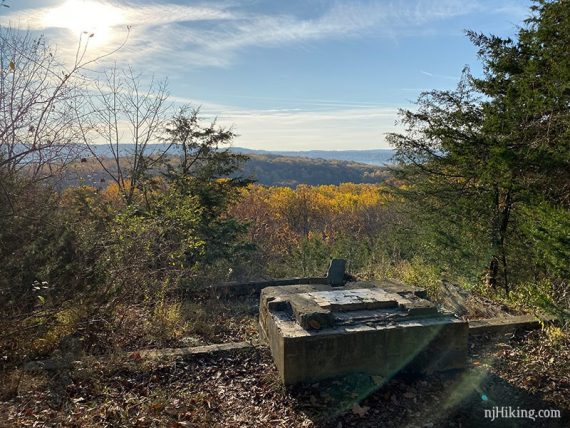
x=555 y=334
x=66 y=323
x=420 y=274
x=167 y=320
x=280 y=217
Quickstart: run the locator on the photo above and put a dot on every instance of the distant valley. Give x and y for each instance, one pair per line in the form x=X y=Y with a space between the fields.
x=378 y=157
x=290 y=171
x=271 y=169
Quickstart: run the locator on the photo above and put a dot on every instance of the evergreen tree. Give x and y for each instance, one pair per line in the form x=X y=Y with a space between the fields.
x=491 y=159
x=207 y=170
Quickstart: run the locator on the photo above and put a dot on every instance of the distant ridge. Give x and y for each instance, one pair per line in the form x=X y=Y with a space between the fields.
x=267 y=168
x=290 y=171
x=377 y=157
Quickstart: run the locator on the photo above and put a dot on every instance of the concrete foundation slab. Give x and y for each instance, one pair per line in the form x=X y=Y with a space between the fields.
x=316 y=331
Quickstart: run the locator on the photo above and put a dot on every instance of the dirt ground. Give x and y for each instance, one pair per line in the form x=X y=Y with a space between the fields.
x=242 y=389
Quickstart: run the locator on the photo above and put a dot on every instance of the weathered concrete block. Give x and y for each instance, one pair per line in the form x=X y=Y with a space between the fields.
x=318 y=331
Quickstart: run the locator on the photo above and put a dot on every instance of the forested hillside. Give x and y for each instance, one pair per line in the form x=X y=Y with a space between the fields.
x=269 y=170
x=274 y=170
x=380 y=157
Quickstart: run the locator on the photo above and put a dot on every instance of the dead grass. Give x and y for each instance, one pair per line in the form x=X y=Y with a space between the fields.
x=216 y=321
x=181 y=322
x=242 y=389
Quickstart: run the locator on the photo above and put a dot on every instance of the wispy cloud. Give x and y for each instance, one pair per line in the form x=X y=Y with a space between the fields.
x=439 y=76
x=215 y=33
x=120 y=13
x=152 y=29
x=171 y=38
x=293 y=129
x=342 y=20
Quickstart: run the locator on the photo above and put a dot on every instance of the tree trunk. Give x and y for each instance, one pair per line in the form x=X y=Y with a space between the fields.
x=501 y=219
x=493 y=273
x=505 y=218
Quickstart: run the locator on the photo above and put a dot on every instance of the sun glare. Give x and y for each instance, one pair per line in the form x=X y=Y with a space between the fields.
x=85 y=16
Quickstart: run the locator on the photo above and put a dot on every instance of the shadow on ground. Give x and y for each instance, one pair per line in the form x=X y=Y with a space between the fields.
x=242 y=389
x=451 y=399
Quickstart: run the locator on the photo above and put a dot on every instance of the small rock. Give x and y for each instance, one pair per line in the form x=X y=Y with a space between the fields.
x=359 y=410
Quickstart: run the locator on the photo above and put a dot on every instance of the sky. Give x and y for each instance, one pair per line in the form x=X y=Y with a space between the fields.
x=286 y=74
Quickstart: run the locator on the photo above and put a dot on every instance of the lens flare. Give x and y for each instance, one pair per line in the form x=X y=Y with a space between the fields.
x=96 y=19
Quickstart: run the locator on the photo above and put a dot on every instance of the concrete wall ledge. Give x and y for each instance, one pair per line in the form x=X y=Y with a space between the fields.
x=476 y=327
x=145 y=355
x=194 y=351
x=232 y=289
x=507 y=324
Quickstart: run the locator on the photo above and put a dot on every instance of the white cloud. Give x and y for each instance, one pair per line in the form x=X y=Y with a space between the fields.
x=318 y=125
x=342 y=20
x=213 y=35
x=120 y=14
x=167 y=36
x=440 y=76
x=152 y=29
x=348 y=128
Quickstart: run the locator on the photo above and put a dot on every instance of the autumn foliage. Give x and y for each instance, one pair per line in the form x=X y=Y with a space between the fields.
x=298 y=230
